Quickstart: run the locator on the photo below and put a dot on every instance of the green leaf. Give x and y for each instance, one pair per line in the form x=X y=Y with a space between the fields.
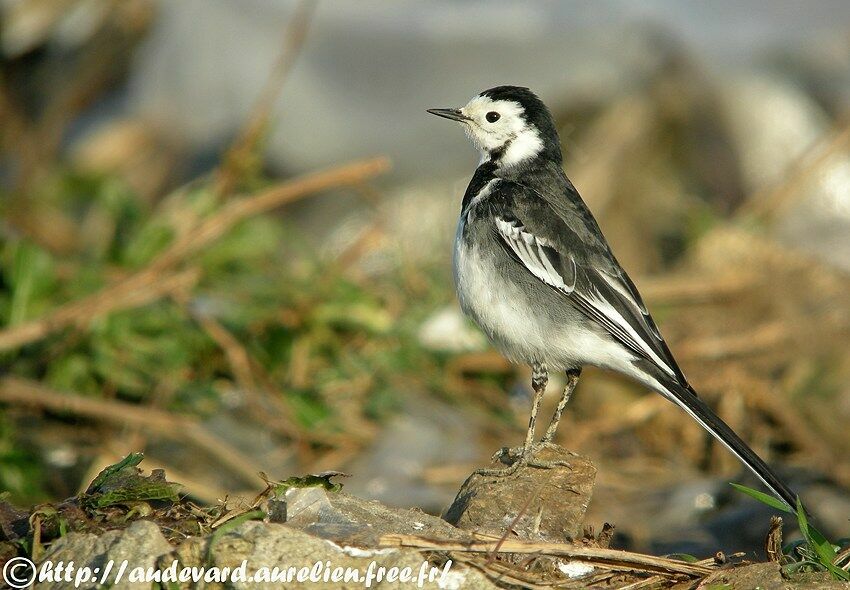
x=149 y=241
x=822 y=547
x=122 y=483
x=837 y=572
x=128 y=462
x=30 y=277
x=140 y=492
x=687 y=557
x=313 y=480
x=763 y=498
x=229 y=526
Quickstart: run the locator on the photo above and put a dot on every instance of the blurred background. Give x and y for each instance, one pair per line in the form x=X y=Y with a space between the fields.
x=201 y=258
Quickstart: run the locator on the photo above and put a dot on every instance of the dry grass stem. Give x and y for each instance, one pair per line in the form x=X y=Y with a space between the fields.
x=765 y=337
x=691 y=289
x=235 y=211
x=609 y=558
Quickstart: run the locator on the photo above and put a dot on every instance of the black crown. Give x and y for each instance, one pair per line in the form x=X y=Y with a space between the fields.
x=534 y=112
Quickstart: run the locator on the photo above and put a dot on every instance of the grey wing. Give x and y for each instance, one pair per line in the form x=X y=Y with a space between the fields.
x=603 y=292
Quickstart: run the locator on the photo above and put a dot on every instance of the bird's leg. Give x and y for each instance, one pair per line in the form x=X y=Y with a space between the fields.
x=572 y=381
x=523 y=456
x=539 y=379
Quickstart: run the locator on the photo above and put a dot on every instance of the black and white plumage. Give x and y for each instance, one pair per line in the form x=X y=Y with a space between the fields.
x=534 y=271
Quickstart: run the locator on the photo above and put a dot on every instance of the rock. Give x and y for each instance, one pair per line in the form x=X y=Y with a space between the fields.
x=140 y=544
x=558 y=500
x=769 y=575
x=14 y=522
x=272 y=545
x=447 y=330
x=346 y=519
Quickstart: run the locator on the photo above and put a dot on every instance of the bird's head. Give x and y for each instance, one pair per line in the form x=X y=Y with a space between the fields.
x=509 y=125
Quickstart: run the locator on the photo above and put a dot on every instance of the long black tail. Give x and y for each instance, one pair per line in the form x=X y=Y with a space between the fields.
x=687 y=399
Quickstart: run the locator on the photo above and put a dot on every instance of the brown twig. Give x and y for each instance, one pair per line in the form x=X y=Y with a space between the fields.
x=237 y=356
x=683 y=290
x=23 y=392
x=500 y=573
x=768 y=336
x=652 y=582
x=610 y=558
x=216 y=225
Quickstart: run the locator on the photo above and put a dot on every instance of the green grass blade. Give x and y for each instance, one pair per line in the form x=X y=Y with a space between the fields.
x=763 y=498
x=821 y=546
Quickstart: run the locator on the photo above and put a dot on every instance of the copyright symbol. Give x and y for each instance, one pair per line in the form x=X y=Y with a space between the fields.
x=19 y=572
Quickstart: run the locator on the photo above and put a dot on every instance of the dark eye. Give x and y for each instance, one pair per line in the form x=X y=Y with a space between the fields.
x=492 y=116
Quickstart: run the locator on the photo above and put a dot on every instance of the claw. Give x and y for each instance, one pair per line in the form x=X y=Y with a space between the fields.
x=519 y=457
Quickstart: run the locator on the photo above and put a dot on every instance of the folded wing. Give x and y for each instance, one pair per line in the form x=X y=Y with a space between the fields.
x=593 y=281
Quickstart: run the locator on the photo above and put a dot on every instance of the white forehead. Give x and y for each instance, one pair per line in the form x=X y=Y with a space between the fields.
x=484 y=104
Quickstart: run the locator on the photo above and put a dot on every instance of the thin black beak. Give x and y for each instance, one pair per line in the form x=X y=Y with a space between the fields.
x=453 y=114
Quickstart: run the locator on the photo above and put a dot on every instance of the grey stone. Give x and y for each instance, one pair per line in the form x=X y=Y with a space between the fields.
x=534 y=503
x=343 y=518
x=140 y=545
x=769 y=575
x=272 y=545
x=447 y=330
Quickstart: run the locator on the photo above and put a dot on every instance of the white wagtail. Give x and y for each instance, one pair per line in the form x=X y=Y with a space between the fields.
x=534 y=271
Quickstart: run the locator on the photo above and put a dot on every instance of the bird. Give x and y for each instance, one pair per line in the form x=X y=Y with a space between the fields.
x=534 y=271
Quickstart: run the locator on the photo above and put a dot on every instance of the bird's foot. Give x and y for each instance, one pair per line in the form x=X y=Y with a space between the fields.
x=517 y=457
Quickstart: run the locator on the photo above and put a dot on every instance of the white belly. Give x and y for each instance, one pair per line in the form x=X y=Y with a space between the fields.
x=498 y=307
x=522 y=330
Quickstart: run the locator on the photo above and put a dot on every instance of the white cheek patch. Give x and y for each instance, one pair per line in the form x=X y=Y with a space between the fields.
x=510 y=133
x=524 y=146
